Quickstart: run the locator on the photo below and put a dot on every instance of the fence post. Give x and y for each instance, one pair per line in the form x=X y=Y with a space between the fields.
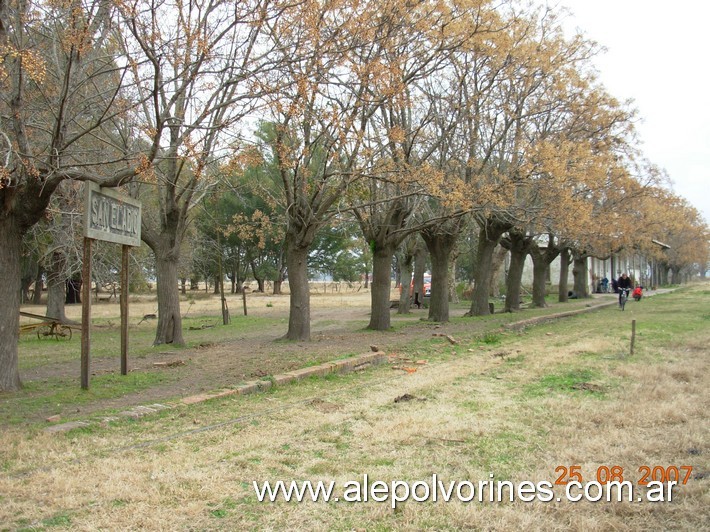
x=244 y=299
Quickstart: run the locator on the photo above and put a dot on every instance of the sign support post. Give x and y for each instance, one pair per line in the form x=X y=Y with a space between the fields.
x=125 y=253
x=86 y=314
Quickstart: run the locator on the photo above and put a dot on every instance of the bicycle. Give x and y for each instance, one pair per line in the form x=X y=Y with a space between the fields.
x=623 y=297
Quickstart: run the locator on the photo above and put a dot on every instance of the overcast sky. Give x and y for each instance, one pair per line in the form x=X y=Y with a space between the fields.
x=658 y=55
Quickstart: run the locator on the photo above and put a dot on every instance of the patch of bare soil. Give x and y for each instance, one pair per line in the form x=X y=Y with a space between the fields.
x=214 y=366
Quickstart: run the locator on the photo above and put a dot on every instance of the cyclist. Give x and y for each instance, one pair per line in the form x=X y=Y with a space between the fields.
x=624 y=283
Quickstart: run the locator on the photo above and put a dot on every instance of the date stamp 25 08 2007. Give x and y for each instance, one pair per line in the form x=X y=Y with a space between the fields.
x=604 y=474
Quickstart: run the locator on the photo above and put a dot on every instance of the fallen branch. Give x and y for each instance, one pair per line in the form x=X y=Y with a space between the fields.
x=148 y=317
x=171 y=364
x=448 y=337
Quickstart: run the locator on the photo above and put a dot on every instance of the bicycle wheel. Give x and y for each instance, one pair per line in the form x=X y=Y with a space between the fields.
x=63 y=333
x=622 y=303
x=44 y=331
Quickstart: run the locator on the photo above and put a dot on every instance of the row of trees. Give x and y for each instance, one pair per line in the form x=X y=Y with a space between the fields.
x=404 y=117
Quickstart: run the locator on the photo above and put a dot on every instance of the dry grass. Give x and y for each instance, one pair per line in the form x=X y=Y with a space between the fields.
x=560 y=394
x=201 y=302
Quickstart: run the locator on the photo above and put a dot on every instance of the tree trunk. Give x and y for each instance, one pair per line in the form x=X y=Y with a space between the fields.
x=299 y=316
x=563 y=287
x=169 y=329
x=259 y=280
x=405 y=295
x=440 y=246
x=540 y=268
x=10 y=239
x=232 y=276
x=439 y=300
x=39 y=287
x=381 y=288
x=581 y=276
x=25 y=284
x=517 y=244
x=419 y=269
x=515 y=276
x=542 y=258
x=675 y=275
x=183 y=286
x=397 y=273
x=663 y=273
x=278 y=282
x=488 y=238
x=73 y=291
x=497 y=270
x=453 y=294
x=56 y=287
x=220 y=267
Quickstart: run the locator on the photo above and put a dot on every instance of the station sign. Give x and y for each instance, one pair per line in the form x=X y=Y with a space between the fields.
x=111 y=216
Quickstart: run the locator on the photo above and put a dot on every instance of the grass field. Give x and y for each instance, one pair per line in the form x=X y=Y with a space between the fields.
x=215 y=356
x=521 y=406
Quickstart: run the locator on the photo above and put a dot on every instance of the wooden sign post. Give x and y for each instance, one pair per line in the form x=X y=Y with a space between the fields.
x=111 y=217
x=86 y=314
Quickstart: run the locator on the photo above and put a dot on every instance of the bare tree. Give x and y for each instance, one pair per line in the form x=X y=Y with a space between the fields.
x=412 y=150
x=61 y=107
x=201 y=59
x=333 y=77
